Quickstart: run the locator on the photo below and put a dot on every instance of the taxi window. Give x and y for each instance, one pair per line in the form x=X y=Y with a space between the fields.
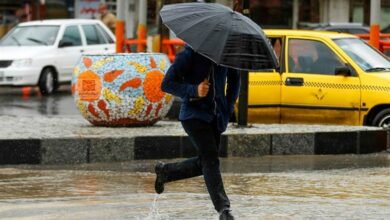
x=277 y=45
x=310 y=56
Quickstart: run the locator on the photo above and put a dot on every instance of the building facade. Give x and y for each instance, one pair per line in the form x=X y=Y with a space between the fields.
x=277 y=13
x=267 y=13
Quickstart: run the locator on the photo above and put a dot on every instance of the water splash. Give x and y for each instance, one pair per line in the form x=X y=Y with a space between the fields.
x=153 y=212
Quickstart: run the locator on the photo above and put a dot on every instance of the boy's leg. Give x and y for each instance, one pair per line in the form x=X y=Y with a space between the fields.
x=182 y=170
x=206 y=140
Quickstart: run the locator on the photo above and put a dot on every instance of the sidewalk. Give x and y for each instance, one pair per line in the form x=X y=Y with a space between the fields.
x=70 y=140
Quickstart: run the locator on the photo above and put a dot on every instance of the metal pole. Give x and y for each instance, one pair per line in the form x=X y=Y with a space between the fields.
x=243 y=98
x=375 y=11
x=295 y=17
x=120 y=26
x=143 y=12
x=375 y=17
x=158 y=41
x=160 y=4
x=121 y=9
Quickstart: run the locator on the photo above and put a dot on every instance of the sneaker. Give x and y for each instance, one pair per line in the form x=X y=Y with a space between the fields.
x=226 y=215
x=160 y=178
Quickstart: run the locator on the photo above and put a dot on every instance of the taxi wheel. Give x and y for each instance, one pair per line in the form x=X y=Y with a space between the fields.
x=382 y=119
x=47 y=81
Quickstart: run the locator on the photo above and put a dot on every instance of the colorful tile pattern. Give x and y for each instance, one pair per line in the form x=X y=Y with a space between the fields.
x=121 y=89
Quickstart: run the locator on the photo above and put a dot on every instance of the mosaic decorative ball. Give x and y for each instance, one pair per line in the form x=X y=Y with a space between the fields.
x=121 y=89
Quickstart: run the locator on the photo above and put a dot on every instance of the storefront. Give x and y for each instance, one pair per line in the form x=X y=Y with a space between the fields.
x=13 y=12
x=360 y=13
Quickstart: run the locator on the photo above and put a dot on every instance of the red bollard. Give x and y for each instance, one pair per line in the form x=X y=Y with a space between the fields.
x=120 y=36
x=374 y=35
x=26 y=91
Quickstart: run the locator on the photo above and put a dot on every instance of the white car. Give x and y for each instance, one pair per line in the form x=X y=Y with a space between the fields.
x=44 y=53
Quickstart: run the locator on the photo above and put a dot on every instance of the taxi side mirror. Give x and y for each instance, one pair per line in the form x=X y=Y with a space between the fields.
x=343 y=71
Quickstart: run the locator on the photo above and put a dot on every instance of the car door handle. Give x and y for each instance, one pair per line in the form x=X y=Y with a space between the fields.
x=82 y=51
x=292 y=81
x=106 y=48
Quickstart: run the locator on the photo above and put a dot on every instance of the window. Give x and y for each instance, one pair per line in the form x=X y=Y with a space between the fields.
x=40 y=35
x=106 y=35
x=72 y=35
x=277 y=45
x=310 y=56
x=93 y=36
x=275 y=14
x=369 y=59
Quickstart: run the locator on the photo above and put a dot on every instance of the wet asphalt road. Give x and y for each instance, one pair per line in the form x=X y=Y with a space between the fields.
x=13 y=101
x=29 y=102
x=271 y=187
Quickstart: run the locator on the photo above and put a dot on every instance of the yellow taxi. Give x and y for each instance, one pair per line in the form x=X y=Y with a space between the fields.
x=324 y=78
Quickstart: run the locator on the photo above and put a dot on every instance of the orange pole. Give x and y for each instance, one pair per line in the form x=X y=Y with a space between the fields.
x=374 y=35
x=120 y=36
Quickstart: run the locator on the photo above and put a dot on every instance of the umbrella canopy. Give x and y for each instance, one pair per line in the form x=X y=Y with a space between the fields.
x=226 y=37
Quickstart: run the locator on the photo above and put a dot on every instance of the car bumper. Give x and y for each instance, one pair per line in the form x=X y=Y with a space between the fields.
x=19 y=76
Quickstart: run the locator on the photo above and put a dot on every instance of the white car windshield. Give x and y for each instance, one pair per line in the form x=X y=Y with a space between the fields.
x=31 y=36
x=364 y=55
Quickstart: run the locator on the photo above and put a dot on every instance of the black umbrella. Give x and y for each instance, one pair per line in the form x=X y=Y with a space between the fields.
x=226 y=37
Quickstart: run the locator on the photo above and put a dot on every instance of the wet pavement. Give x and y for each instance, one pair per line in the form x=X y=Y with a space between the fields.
x=28 y=102
x=271 y=187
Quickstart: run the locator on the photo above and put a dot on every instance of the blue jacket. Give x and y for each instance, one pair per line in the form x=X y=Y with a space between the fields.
x=187 y=72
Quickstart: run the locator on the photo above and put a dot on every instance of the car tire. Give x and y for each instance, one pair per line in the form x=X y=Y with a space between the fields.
x=382 y=119
x=47 y=81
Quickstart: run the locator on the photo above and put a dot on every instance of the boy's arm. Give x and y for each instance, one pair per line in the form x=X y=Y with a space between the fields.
x=173 y=81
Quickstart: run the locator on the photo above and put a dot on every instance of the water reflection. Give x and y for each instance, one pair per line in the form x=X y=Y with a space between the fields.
x=343 y=189
x=14 y=102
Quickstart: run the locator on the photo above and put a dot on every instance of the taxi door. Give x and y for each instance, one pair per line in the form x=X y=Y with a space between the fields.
x=264 y=91
x=311 y=91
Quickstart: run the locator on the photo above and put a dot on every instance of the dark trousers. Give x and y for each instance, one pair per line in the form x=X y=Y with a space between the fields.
x=206 y=138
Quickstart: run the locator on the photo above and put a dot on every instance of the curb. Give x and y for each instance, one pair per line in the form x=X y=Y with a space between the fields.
x=94 y=150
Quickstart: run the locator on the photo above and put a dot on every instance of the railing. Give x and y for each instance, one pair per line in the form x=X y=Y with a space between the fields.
x=367 y=36
x=123 y=45
x=384 y=41
x=168 y=45
x=141 y=44
x=384 y=45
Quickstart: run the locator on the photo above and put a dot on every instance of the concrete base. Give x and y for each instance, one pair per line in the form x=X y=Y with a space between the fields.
x=73 y=141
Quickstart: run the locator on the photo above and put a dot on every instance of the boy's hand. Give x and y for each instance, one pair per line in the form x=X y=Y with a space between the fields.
x=203 y=88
